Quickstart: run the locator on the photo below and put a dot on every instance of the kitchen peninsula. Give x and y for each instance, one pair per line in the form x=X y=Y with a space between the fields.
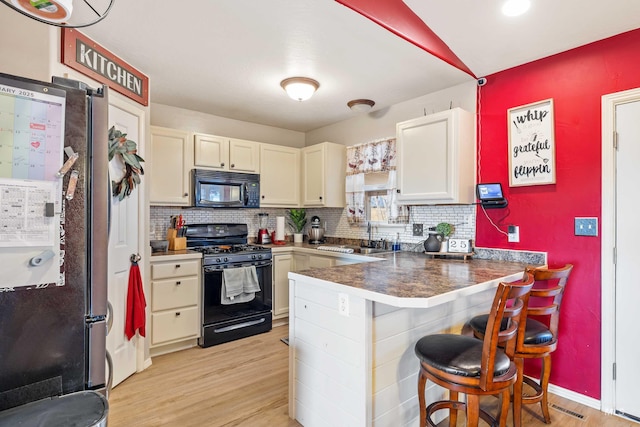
x=352 y=330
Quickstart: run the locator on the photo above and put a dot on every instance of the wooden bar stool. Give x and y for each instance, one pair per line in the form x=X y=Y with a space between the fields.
x=464 y=364
x=540 y=337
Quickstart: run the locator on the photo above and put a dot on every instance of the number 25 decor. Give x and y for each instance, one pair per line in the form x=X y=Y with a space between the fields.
x=532 y=144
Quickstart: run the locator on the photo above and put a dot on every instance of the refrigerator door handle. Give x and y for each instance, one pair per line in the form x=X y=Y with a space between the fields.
x=109 y=316
x=97 y=348
x=110 y=377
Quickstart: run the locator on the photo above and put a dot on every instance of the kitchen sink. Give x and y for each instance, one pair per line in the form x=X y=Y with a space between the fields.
x=366 y=251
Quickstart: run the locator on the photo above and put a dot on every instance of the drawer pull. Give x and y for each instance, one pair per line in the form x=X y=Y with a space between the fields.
x=178 y=283
x=177 y=265
x=177 y=313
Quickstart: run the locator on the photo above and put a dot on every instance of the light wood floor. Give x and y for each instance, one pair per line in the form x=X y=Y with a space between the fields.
x=244 y=383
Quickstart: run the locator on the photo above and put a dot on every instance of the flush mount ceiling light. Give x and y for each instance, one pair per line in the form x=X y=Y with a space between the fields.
x=299 y=88
x=62 y=13
x=361 y=105
x=515 y=7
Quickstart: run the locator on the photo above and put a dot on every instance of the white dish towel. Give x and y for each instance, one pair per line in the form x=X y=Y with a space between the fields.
x=239 y=285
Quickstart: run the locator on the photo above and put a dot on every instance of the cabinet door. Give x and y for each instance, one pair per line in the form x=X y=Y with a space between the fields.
x=244 y=156
x=169 y=167
x=300 y=262
x=279 y=176
x=282 y=265
x=211 y=151
x=313 y=175
x=319 y=261
x=436 y=158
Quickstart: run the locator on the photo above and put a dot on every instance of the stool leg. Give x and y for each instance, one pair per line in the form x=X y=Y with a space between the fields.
x=504 y=407
x=473 y=410
x=422 y=381
x=453 y=413
x=544 y=384
x=517 y=392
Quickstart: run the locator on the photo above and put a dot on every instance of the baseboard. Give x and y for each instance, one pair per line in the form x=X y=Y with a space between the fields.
x=576 y=397
x=147 y=363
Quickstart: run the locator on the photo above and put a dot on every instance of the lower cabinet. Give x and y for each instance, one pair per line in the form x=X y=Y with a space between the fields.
x=282 y=265
x=175 y=304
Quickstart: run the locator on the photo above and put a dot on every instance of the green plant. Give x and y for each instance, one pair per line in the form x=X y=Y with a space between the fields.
x=444 y=228
x=297 y=219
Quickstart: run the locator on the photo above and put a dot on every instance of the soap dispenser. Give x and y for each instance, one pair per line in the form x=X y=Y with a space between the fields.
x=396 y=243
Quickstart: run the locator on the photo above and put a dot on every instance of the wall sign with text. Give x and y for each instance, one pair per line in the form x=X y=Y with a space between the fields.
x=532 y=149
x=88 y=57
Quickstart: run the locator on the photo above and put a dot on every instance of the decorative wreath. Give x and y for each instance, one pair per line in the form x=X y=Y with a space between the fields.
x=126 y=150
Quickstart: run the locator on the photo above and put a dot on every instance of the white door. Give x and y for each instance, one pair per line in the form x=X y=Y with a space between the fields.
x=123 y=242
x=627 y=287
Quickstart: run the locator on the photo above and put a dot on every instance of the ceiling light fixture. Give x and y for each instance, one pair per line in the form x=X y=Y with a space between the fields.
x=300 y=88
x=515 y=7
x=62 y=13
x=361 y=105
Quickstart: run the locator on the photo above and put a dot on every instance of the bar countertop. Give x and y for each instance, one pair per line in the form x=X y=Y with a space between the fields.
x=409 y=279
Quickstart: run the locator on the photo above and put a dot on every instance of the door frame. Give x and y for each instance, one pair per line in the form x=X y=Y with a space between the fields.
x=608 y=240
x=117 y=101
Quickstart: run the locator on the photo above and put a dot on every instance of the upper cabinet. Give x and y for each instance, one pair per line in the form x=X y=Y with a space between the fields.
x=279 y=176
x=171 y=160
x=229 y=154
x=323 y=175
x=436 y=159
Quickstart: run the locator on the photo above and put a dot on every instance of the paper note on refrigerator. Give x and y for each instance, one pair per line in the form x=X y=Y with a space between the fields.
x=23 y=206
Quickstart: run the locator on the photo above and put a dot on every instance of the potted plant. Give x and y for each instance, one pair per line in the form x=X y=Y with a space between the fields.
x=445 y=229
x=297 y=221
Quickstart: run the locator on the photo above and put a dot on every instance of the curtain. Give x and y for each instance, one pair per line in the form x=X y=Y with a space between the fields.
x=372 y=157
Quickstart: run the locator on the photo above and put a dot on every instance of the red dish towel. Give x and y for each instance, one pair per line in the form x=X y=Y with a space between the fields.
x=136 y=317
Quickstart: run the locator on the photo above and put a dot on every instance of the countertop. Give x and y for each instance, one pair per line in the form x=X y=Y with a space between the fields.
x=410 y=279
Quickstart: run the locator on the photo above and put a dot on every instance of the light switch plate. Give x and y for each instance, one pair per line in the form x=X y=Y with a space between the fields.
x=586 y=227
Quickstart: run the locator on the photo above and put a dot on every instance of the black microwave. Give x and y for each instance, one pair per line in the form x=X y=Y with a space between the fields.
x=219 y=189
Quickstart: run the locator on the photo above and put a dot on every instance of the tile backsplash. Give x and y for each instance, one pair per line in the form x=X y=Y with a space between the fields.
x=461 y=216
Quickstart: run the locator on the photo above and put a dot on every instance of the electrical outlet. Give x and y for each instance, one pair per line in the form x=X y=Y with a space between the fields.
x=586 y=227
x=418 y=230
x=514 y=233
x=343 y=304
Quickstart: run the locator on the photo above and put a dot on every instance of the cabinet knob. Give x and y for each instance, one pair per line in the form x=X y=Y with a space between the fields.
x=262 y=196
x=177 y=313
x=178 y=283
x=320 y=197
x=186 y=194
x=222 y=164
x=177 y=265
x=233 y=165
x=398 y=190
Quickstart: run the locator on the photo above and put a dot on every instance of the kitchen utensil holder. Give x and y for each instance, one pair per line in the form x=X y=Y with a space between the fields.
x=176 y=243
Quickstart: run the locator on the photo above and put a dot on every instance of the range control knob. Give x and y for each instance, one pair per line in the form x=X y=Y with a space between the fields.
x=217 y=259
x=226 y=259
x=253 y=256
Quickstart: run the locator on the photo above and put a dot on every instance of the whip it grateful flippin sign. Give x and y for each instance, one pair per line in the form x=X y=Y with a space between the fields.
x=531 y=144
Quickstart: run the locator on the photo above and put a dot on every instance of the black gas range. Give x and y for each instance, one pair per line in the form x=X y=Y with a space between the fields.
x=225 y=246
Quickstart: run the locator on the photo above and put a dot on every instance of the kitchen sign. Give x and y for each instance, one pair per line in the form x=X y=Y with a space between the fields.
x=86 y=56
x=531 y=144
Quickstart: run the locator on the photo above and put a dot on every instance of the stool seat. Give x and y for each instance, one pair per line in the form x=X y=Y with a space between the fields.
x=535 y=332
x=457 y=355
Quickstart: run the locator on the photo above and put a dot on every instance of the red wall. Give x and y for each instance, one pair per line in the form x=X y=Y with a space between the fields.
x=576 y=80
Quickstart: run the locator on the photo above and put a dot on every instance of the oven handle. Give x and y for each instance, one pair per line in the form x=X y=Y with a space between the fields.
x=238 y=326
x=212 y=269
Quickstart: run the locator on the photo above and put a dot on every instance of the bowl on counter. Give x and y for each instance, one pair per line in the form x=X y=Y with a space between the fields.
x=159 y=245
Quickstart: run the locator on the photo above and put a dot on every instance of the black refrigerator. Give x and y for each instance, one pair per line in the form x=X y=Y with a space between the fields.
x=54 y=199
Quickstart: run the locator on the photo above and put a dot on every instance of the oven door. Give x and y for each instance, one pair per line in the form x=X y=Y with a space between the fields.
x=223 y=323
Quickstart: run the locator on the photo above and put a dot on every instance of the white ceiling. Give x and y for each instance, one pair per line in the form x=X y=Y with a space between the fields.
x=227 y=57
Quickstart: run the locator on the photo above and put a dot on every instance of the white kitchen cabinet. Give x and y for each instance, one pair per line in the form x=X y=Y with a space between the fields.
x=174 y=303
x=229 y=154
x=171 y=157
x=282 y=265
x=436 y=159
x=279 y=176
x=323 y=175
